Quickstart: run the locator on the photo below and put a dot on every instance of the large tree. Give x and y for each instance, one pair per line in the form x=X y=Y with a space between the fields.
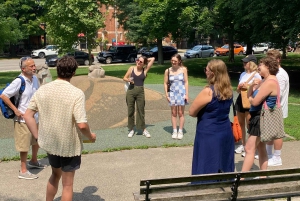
x=66 y=19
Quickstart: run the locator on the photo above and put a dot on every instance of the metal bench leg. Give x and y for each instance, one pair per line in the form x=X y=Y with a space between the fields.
x=234 y=187
x=289 y=199
x=147 y=191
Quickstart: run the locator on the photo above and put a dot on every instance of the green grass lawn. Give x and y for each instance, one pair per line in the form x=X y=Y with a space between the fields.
x=197 y=78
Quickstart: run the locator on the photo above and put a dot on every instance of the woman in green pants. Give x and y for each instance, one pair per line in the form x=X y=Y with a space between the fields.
x=135 y=94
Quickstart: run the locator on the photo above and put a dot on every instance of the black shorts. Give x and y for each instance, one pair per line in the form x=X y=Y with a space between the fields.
x=239 y=105
x=254 y=123
x=67 y=164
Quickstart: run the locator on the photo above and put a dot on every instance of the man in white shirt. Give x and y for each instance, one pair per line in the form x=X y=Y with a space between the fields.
x=283 y=80
x=23 y=137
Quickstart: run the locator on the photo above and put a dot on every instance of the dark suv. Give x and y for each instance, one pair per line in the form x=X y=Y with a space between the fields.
x=118 y=53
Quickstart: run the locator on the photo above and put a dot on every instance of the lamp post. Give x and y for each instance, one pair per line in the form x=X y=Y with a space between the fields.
x=44 y=25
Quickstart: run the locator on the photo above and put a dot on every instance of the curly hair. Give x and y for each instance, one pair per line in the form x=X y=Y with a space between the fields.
x=275 y=54
x=271 y=63
x=220 y=79
x=66 y=67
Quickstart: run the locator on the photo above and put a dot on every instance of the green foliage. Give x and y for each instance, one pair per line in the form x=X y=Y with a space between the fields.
x=66 y=19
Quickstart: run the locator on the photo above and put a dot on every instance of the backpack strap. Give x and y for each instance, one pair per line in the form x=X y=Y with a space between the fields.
x=21 y=90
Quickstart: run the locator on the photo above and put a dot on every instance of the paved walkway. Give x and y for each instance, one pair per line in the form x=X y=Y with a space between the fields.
x=114 y=176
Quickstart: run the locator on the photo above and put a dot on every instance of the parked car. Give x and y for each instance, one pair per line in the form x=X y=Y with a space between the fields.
x=143 y=49
x=118 y=53
x=168 y=52
x=200 y=51
x=258 y=48
x=48 y=50
x=224 y=50
x=81 y=57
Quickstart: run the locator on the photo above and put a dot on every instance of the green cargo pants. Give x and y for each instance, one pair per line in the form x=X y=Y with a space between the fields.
x=136 y=95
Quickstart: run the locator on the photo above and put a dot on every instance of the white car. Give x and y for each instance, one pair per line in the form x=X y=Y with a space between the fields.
x=200 y=51
x=258 y=48
x=48 y=50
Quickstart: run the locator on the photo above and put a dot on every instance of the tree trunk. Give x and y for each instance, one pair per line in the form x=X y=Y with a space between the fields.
x=160 y=51
x=231 y=48
x=249 y=48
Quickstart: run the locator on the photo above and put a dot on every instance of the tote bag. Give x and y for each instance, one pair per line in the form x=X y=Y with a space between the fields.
x=271 y=121
x=244 y=94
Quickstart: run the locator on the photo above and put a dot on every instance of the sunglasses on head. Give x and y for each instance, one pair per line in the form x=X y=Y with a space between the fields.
x=23 y=59
x=139 y=61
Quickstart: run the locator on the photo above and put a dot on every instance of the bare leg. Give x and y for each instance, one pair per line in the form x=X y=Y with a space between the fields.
x=174 y=116
x=250 y=151
x=67 y=182
x=181 y=116
x=262 y=153
x=52 y=184
x=23 y=157
x=35 y=149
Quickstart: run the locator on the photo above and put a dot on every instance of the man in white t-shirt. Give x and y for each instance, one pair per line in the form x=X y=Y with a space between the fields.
x=283 y=79
x=22 y=136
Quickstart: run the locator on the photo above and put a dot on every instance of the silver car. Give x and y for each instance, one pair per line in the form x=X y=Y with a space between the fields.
x=200 y=51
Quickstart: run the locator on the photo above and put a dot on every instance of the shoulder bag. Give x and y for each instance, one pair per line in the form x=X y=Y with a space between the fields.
x=271 y=121
x=244 y=94
x=236 y=128
x=126 y=85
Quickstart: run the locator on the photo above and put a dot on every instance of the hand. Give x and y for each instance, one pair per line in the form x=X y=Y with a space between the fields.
x=186 y=98
x=256 y=81
x=93 y=137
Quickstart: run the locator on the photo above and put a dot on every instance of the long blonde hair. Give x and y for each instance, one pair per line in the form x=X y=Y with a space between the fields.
x=220 y=79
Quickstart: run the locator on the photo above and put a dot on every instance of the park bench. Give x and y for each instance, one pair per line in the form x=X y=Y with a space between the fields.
x=255 y=185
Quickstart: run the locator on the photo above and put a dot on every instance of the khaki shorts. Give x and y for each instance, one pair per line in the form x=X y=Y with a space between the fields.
x=23 y=137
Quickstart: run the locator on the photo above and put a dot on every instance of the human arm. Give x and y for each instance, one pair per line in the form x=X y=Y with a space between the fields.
x=30 y=122
x=127 y=76
x=166 y=79
x=85 y=130
x=203 y=98
x=80 y=118
x=149 y=64
x=266 y=89
x=186 y=84
x=7 y=101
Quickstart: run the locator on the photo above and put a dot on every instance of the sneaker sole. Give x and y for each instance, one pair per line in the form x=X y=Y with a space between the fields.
x=37 y=167
x=28 y=178
x=274 y=165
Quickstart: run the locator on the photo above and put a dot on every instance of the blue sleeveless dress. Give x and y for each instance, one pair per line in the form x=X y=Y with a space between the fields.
x=214 y=142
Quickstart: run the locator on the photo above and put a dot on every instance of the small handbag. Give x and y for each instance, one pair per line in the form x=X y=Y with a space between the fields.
x=126 y=85
x=244 y=94
x=168 y=84
x=236 y=128
x=271 y=121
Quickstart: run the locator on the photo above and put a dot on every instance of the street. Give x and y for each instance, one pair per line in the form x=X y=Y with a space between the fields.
x=13 y=64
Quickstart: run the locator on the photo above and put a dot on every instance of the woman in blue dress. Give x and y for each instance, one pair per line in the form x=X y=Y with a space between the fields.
x=214 y=143
x=177 y=95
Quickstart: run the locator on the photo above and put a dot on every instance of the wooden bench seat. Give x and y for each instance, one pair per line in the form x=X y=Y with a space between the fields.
x=283 y=183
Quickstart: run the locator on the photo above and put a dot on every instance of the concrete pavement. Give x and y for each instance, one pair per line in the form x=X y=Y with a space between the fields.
x=114 y=176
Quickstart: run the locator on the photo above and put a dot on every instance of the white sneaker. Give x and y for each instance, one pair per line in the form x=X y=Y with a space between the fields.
x=275 y=161
x=174 y=135
x=270 y=156
x=239 y=150
x=146 y=133
x=244 y=154
x=180 y=135
x=131 y=133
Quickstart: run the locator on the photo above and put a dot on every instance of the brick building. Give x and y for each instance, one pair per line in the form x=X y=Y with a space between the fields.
x=113 y=33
